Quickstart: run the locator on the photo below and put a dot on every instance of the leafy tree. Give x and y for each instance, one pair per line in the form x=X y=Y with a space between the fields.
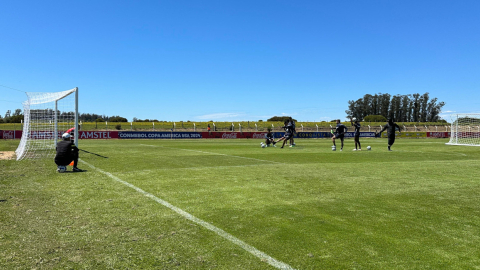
x=280 y=119
x=17 y=112
x=375 y=118
x=117 y=119
x=405 y=108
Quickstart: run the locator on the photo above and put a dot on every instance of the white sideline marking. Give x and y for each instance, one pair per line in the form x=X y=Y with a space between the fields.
x=212 y=153
x=257 y=253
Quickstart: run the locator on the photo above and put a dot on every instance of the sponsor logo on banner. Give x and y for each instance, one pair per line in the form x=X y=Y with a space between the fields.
x=438 y=134
x=8 y=134
x=158 y=135
x=259 y=135
x=362 y=134
x=44 y=135
x=229 y=135
x=96 y=135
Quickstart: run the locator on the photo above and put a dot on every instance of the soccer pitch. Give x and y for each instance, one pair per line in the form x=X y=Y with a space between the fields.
x=230 y=204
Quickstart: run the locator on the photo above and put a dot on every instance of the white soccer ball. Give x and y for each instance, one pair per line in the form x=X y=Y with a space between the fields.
x=61 y=169
x=369 y=148
x=334 y=148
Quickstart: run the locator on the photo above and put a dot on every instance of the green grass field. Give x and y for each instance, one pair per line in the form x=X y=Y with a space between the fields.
x=307 y=207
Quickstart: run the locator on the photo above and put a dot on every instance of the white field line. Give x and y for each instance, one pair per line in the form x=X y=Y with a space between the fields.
x=212 y=153
x=252 y=250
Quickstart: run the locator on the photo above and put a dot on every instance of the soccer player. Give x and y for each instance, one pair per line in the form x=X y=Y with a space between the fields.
x=269 y=139
x=288 y=133
x=292 y=142
x=390 y=127
x=66 y=153
x=340 y=130
x=357 y=126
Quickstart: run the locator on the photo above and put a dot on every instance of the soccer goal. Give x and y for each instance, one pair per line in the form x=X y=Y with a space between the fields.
x=465 y=129
x=46 y=117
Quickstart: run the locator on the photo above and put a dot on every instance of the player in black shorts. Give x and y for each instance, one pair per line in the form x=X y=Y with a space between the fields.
x=339 y=133
x=390 y=127
x=292 y=142
x=357 y=126
x=288 y=133
x=269 y=139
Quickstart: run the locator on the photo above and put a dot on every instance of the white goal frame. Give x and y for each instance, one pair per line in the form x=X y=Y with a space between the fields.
x=465 y=129
x=46 y=117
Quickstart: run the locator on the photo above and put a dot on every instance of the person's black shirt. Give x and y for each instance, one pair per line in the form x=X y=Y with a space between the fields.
x=341 y=129
x=65 y=148
x=390 y=129
x=288 y=128
x=357 y=127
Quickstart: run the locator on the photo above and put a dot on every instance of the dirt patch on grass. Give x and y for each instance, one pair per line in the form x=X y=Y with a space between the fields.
x=7 y=155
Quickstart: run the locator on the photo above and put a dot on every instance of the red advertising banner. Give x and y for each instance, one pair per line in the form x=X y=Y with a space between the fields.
x=17 y=134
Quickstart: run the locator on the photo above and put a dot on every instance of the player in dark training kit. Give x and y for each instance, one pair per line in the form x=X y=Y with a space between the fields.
x=288 y=133
x=269 y=139
x=340 y=130
x=390 y=127
x=357 y=127
x=292 y=142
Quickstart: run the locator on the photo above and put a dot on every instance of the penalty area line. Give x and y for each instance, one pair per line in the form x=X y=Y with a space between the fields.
x=252 y=250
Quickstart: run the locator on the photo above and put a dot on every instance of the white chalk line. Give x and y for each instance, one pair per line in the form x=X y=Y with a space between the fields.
x=212 y=153
x=252 y=250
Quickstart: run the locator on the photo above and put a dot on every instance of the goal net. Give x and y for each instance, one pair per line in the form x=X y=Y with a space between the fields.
x=465 y=129
x=46 y=117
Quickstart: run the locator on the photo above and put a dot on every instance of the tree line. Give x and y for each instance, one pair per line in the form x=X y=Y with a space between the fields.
x=402 y=108
x=17 y=116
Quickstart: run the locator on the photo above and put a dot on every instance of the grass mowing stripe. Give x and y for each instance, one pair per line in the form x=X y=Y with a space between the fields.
x=252 y=250
x=212 y=153
x=200 y=168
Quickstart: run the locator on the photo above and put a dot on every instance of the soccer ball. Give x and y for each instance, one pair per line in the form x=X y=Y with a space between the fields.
x=334 y=148
x=264 y=145
x=61 y=169
x=369 y=148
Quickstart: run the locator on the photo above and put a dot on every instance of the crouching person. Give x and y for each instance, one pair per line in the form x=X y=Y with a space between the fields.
x=66 y=153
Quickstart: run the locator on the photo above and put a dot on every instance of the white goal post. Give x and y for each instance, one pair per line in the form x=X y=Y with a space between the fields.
x=465 y=129
x=46 y=117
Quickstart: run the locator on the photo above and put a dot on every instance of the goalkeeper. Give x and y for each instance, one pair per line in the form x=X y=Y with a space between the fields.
x=339 y=133
x=66 y=153
x=390 y=127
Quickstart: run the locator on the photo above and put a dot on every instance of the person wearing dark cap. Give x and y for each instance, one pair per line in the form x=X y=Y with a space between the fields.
x=390 y=127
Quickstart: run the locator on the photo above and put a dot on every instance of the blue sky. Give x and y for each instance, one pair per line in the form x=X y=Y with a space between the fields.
x=239 y=60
